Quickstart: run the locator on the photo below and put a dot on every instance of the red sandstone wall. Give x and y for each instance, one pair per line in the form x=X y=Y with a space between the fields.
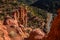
x=55 y=29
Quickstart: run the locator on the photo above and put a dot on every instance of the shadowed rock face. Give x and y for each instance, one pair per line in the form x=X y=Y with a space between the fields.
x=54 y=33
x=55 y=28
